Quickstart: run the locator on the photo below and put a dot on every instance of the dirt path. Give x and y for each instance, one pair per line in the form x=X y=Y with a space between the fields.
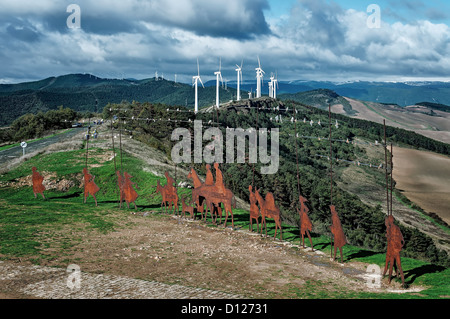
x=160 y=256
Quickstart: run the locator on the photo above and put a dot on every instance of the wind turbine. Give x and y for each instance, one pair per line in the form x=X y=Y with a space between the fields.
x=259 y=75
x=218 y=74
x=239 y=77
x=271 y=84
x=275 y=85
x=196 y=78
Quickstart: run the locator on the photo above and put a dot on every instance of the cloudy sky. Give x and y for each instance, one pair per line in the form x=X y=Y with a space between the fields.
x=297 y=39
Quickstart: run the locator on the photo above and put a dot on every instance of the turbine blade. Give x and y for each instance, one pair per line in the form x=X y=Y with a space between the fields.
x=198 y=68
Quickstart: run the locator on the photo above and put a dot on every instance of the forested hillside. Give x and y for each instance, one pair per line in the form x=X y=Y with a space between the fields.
x=84 y=92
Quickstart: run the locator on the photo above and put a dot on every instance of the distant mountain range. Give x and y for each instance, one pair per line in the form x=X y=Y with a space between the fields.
x=85 y=92
x=400 y=93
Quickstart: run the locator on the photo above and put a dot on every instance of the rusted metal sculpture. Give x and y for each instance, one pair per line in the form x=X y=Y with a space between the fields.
x=213 y=195
x=187 y=208
x=169 y=194
x=336 y=226
x=129 y=193
x=339 y=239
x=395 y=240
x=395 y=243
x=269 y=210
x=199 y=200
x=254 y=210
x=38 y=187
x=209 y=180
x=305 y=222
x=90 y=188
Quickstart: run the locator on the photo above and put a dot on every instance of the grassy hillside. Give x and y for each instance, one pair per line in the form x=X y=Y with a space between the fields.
x=400 y=93
x=50 y=231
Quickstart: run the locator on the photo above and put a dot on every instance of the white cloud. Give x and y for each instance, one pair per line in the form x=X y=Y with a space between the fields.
x=317 y=40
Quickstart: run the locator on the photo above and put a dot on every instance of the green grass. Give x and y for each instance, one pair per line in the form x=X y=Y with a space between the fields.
x=26 y=222
x=29 y=225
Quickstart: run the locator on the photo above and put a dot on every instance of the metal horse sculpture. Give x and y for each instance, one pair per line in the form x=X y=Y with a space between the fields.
x=212 y=195
x=169 y=194
x=395 y=244
x=187 y=208
x=269 y=210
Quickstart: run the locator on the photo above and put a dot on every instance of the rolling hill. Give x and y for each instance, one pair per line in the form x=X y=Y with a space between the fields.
x=400 y=93
x=85 y=92
x=428 y=119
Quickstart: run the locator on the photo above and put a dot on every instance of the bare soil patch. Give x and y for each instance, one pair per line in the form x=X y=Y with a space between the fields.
x=170 y=250
x=420 y=121
x=424 y=177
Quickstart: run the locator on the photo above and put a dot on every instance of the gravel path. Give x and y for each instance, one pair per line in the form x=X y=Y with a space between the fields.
x=55 y=283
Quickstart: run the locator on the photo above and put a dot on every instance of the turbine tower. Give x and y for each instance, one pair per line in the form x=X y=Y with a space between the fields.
x=274 y=88
x=271 y=88
x=195 y=79
x=259 y=76
x=218 y=74
x=239 y=78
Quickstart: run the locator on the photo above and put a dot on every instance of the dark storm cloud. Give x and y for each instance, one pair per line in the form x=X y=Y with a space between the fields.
x=132 y=38
x=236 y=19
x=22 y=30
x=323 y=26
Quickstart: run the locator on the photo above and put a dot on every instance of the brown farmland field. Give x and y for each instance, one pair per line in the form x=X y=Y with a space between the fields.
x=424 y=178
x=412 y=118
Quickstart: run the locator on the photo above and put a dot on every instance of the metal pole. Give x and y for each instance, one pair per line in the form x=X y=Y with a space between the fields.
x=114 y=149
x=120 y=144
x=296 y=151
x=114 y=157
x=331 y=176
x=392 y=174
x=331 y=160
x=386 y=168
